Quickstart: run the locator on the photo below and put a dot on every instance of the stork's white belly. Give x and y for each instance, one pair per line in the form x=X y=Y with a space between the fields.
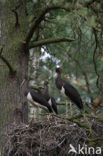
x=50 y=102
x=29 y=97
x=62 y=91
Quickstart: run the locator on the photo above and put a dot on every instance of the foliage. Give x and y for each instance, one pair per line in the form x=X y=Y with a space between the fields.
x=79 y=59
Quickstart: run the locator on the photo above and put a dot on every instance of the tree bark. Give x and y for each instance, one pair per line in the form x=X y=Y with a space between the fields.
x=35 y=54
x=11 y=90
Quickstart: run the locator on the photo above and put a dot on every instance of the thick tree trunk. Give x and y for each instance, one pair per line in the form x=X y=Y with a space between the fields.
x=13 y=84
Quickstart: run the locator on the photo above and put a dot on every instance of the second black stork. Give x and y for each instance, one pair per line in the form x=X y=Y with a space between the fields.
x=68 y=90
x=49 y=98
x=38 y=100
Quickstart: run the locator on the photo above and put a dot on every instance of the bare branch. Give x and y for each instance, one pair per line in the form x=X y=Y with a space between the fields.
x=49 y=41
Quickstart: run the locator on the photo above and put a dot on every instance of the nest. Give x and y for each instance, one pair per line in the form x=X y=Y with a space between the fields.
x=52 y=137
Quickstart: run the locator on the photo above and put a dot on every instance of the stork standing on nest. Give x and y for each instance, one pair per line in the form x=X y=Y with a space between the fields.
x=68 y=90
x=49 y=98
x=38 y=100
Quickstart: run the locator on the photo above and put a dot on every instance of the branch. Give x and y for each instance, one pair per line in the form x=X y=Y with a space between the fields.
x=94 y=141
x=49 y=41
x=40 y=18
x=1 y=49
x=99 y=118
x=61 y=103
x=94 y=58
x=1 y=65
x=11 y=70
x=87 y=4
x=16 y=15
x=72 y=119
x=16 y=18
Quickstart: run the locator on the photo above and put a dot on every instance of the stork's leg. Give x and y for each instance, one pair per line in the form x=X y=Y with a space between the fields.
x=67 y=106
x=71 y=111
x=34 y=112
x=84 y=115
x=49 y=117
x=39 y=111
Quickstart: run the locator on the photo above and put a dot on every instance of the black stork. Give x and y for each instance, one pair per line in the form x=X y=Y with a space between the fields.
x=68 y=90
x=49 y=98
x=38 y=100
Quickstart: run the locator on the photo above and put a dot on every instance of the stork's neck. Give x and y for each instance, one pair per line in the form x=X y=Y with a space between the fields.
x=46 y=90
x=59 y=76
x=59 y=81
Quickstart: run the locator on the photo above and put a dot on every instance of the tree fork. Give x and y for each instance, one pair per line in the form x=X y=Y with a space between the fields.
x=41 y=18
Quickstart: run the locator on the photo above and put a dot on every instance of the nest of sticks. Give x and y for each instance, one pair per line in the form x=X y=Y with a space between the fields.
x=43 y=137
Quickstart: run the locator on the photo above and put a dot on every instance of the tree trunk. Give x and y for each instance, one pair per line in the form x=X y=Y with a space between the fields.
x=35 y=54
x=12 y=87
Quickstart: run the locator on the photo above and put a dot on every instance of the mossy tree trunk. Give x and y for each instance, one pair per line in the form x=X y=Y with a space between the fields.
x=11 y=87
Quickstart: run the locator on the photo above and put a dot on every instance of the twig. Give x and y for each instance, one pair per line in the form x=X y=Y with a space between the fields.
x=54 y=148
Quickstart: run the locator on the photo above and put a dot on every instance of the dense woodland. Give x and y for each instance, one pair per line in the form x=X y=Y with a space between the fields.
x=36 y=36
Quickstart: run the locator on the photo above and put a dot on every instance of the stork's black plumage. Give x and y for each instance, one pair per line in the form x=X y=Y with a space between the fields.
x=68 y=90
x=49 y=98
x=38 y=100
